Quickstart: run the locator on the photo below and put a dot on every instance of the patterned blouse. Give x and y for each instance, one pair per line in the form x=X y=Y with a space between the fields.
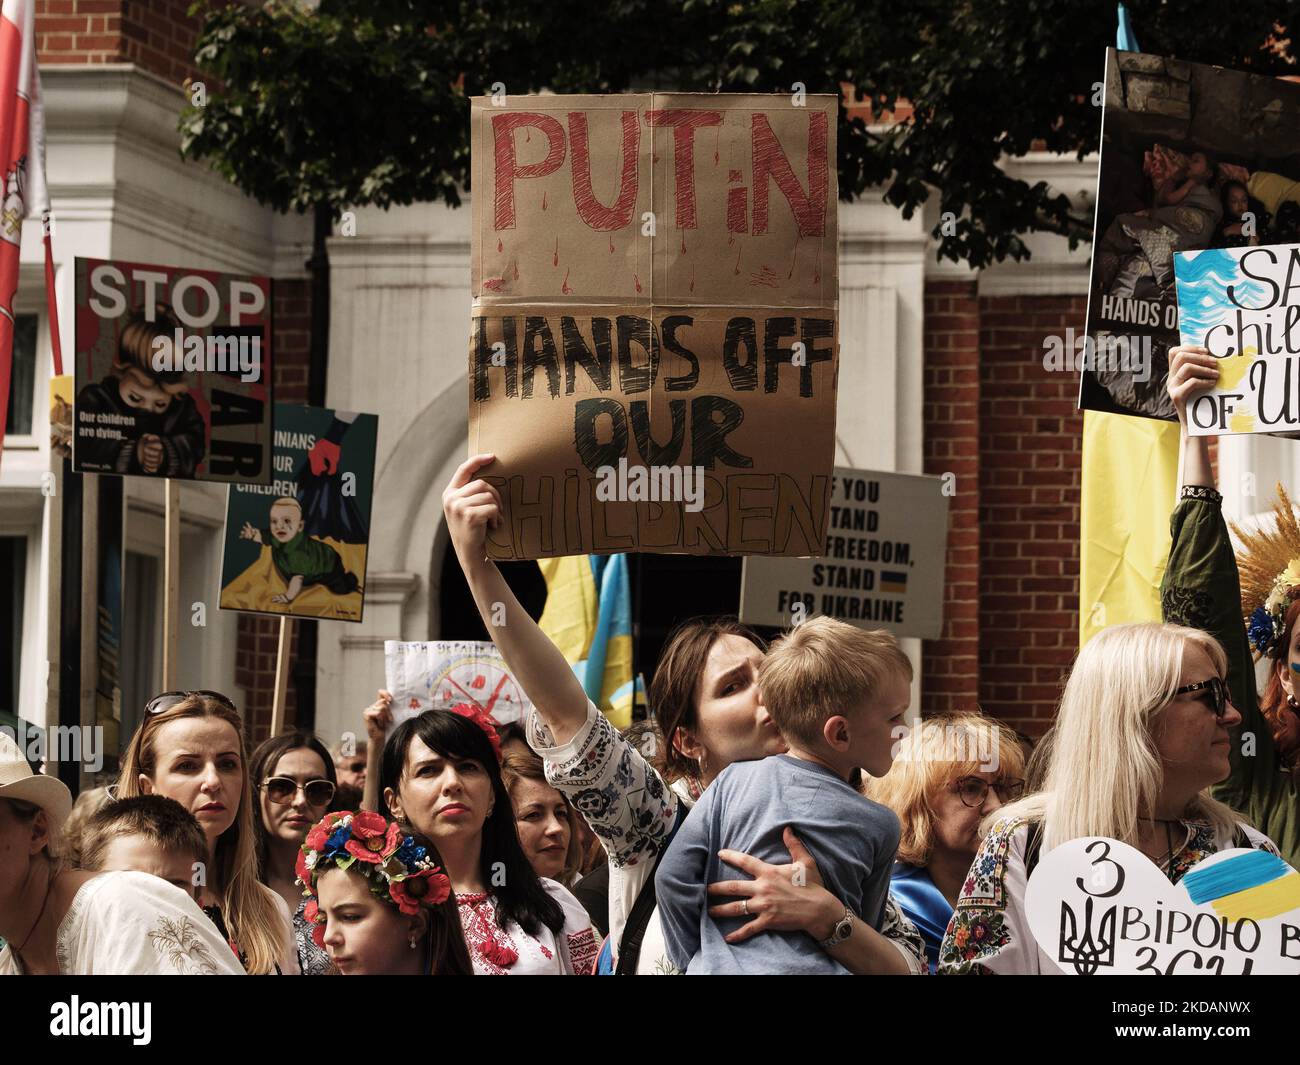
x=632 y=811
x=989 y=931
x=510 y=951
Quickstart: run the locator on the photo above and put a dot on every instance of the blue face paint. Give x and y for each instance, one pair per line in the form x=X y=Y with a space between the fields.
x=1295 y=668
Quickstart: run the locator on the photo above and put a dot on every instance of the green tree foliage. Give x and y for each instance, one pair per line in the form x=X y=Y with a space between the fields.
x=365 y=101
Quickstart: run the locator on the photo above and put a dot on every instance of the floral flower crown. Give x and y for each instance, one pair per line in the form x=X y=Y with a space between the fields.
x=1268 y=565
x=1267 y=623
x=399 y=870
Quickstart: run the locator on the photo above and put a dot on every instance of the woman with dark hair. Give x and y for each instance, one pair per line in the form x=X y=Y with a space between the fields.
x=294 y=777
x=378 y=900
x=1247 y=602
x=705 y=700
x=441 y=774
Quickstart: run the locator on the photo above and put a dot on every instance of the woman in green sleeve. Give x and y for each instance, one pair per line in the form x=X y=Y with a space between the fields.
x=1202 y=588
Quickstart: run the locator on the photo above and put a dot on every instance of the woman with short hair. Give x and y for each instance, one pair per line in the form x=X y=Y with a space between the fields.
x=952 y=772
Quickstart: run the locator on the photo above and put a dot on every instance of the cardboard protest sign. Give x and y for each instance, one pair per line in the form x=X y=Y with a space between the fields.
x=173 y=373
x=298 y=545
x=1193 y=157
x=1243 y=304
x=1099 y=907
x=880 y=567
x=653 y=351
x=438 y=674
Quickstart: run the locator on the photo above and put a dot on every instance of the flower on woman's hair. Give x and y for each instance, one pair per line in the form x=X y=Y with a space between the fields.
x=1261 y=630
x=430 y=887
x=483 y=720
x=374 y=838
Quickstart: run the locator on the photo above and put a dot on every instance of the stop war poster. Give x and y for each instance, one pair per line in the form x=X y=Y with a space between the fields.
x=653 y=344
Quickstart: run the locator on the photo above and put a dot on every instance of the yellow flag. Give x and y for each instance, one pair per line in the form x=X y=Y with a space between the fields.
x=1130 y=483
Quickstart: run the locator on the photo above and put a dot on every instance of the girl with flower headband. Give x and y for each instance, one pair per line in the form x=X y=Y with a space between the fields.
x=441 y=774
x=1209 y=588
x=378 y=900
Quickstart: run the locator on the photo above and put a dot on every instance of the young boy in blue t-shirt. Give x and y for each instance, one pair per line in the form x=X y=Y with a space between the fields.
x=838 y=694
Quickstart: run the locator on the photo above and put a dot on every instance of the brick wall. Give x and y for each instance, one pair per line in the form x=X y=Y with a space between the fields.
x=1030 y=439
x=1009 y=431
x=157 y=35
x=259 y=636
x=951 y=409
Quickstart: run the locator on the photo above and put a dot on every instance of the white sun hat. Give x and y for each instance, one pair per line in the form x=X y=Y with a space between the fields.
x=17 y=781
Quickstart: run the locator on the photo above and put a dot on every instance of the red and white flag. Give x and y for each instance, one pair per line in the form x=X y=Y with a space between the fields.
x=22 y=142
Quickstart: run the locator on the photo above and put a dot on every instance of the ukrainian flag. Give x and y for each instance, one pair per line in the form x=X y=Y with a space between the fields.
x=1130 y=480
x=588 y=616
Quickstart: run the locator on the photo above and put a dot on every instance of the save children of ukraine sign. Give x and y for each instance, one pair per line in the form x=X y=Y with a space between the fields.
x=653 y=348
x=1243 y=305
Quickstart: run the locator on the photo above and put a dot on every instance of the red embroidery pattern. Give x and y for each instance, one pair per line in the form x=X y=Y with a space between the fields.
x=489 y=944
x=583 y=949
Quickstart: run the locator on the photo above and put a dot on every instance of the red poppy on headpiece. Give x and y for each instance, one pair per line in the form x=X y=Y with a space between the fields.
x=483 y=720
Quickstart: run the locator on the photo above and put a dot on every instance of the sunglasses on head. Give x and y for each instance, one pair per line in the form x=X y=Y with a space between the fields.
x=159 y=703
x=1215 y=688
x=283 y=789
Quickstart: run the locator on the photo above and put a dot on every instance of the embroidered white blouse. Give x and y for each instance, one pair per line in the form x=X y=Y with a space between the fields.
x=510 y=951
x=128 y=923
x=632 y=811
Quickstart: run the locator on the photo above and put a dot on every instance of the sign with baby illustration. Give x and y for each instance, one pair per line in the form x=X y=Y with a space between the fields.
x=298 y=546
x=1243 y=304
x=173 y=373
x=1099 y=907
x=653 y=344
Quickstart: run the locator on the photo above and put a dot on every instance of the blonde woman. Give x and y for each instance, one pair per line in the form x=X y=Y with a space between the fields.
x=952 y=772
x=190 y=747
x=1141 y=735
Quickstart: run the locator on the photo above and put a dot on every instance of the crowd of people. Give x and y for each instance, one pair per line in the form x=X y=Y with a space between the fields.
x=776 y=814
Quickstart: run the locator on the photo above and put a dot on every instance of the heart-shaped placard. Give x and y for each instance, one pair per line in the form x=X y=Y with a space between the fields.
x=1098 y=906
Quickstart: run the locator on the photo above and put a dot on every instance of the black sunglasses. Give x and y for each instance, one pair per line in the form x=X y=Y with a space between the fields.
x=1217 y=691
x=167 y=700
x=283 y=789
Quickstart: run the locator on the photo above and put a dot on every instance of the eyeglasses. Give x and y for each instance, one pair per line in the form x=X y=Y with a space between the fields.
x=974 y=792
x=283 y=790
x=1215 y=688
x=167 y=700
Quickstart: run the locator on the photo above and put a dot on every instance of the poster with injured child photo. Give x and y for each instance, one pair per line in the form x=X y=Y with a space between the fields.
x=298 y=545
x=1192 y=157
x=173 y=373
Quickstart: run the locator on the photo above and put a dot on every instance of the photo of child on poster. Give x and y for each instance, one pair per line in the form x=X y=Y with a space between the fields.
x=1192 y=157
x=173 y=373
x=298 y=545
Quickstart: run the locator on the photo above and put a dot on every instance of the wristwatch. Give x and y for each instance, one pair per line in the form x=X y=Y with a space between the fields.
x=843 y=929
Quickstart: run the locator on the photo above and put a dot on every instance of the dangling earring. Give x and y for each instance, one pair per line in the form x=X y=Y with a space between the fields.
x=411 y=941
x=1292 y=705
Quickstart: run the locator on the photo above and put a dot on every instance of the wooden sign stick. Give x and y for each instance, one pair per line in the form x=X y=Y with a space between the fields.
x=172 y=582
x=281 y=676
